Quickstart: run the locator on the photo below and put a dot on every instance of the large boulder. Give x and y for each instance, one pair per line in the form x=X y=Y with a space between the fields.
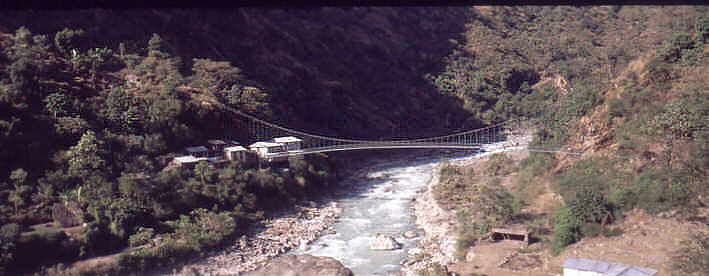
x=384 y=242
x=303 y=265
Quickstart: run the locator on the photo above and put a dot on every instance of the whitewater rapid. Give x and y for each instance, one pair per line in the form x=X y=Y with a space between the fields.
x=380 y=203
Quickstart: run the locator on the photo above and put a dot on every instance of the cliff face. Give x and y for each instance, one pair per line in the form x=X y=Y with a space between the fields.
x=343 y=71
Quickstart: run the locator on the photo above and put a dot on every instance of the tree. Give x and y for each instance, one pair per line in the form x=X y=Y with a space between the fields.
x=8 y=237
x=205 y=172
x=215 y=75
x=85 y=157
x=18 y=196
x=66 y=40
x=155 y=47
x=57 y=104
x=131 y=119
x=98 y=57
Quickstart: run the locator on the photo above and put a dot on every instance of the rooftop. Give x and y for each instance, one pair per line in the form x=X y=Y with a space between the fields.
x=197 y=149
x=607 y=268
x=265 y=144
x=189 y=159
x=235 y=148
x=287 y=139
x=216 y=142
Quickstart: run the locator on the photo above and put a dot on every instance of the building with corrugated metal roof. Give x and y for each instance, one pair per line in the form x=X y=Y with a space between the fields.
x=589 y=267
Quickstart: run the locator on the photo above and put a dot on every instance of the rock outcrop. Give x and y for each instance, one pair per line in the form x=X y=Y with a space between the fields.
x=384 y=242
x=303 y=265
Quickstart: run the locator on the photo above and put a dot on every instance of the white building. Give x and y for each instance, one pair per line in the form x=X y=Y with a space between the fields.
x=270 y=151
x=588 y=267
x=188 y=161
x=235 y=153
x=291 y=143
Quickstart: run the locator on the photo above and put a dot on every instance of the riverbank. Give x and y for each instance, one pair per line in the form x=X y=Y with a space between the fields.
x=437 y=248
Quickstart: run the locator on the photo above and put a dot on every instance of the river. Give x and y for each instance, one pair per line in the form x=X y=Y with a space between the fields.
x=380 y=203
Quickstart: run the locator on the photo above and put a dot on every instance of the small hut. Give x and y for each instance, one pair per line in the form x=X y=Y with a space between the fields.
x=216 y=147
x=506 y=233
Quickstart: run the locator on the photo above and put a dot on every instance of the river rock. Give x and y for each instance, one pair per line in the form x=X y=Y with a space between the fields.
x=470 y=256
x=410 y=234
x=384 y=242
x=303 y=265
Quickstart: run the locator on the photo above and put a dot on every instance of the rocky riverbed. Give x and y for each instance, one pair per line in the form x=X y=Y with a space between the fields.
x=291 y=230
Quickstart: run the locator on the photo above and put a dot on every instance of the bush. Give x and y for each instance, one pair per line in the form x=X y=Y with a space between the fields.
x=616 y=108
x=499 y=164
x=141 y=237
x=565 y=229
x=538 y=163
x=591 y=229
x=448 y=170
x=624 y=198
x=612 y=232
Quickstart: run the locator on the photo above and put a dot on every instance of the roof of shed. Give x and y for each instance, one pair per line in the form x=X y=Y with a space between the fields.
x=197 y=149
x=607 y=268
x=287 y=139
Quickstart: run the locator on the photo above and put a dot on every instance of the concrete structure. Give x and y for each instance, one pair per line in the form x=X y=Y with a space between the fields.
x=291 y=143
x=198 y=151
x=270 y=151
x=235 y=153
x=588 y=267
x=188 y=161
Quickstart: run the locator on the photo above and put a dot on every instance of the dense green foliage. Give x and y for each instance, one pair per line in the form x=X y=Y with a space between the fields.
x=79 y=135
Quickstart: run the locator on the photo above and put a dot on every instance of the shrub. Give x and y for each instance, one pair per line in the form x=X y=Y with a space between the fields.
x=499 y=164
x=616 y=108
x=591 y=229
x=448 y=170
x=565 y=229
x=537 y=163
x=203 y=228
x=624 y=198
x=141 y=237
x=612 y=232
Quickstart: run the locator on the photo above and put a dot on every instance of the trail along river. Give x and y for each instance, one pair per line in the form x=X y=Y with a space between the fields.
x=380 y=203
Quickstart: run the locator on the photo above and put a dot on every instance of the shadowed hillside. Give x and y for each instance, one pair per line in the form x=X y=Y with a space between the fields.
x=361 y=68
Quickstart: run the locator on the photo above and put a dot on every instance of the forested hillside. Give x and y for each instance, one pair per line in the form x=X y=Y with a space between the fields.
x=362 y=68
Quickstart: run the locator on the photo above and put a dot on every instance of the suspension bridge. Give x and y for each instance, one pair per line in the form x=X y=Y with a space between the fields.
x=475 y=139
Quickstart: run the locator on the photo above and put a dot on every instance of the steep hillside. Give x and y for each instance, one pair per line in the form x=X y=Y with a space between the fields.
x=361 y=68
x=626 y=87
